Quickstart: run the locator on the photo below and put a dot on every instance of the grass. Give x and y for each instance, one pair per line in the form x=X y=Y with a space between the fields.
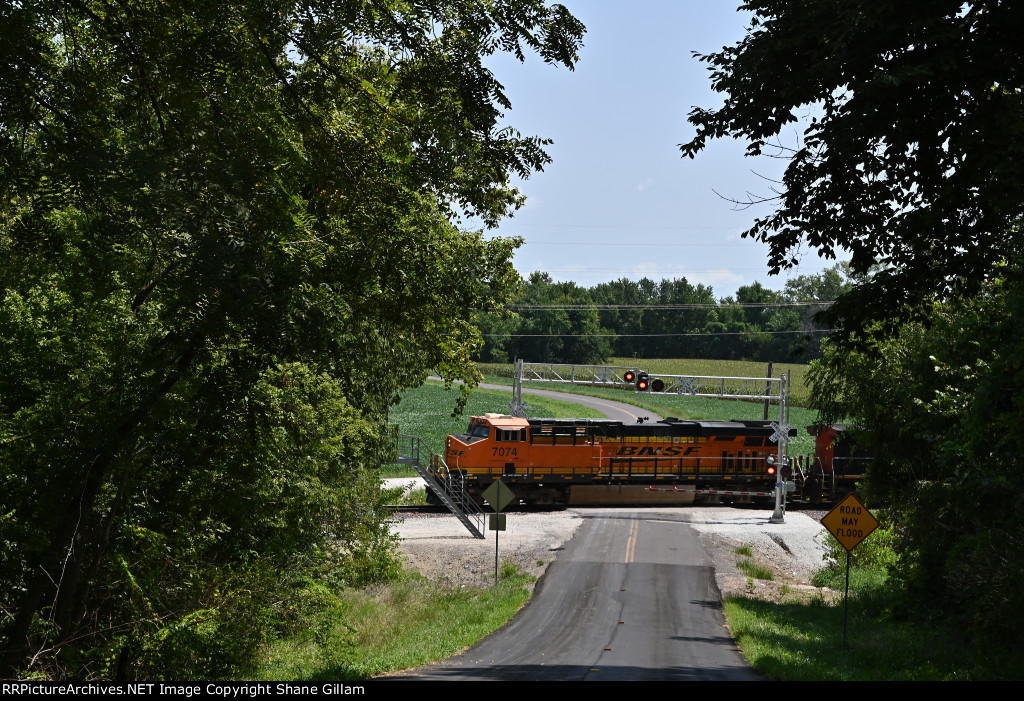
x=801 y=637
x=755 y=570
x=426 y=412
x=358 y=634
x=414 y=497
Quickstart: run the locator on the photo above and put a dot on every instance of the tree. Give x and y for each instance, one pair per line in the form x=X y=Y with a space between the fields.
x=941 y=404
x=226 y=242
x=558 y=324
x=912 y=159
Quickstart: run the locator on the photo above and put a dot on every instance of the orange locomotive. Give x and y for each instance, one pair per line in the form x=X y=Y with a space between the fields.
x=841 y=457
x=547 y=461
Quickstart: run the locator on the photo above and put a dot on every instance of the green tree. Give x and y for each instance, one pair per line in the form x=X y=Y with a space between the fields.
x=911 y=161
x=558 y=324
x=225 y=245
x=911 y=158
x=942 y=404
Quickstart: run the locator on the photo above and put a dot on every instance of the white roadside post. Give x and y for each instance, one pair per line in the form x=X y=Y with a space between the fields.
x=781 y=436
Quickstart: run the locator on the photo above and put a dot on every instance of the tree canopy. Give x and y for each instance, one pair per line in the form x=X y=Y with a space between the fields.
x=560 y=322
x=941 y=405
x=910 y=157
x=226 y=242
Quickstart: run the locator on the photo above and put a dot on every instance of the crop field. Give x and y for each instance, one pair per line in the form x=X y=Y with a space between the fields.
x=427 y=411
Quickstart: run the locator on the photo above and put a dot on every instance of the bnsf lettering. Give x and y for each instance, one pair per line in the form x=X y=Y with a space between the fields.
x=505 y=452
x=668 y=450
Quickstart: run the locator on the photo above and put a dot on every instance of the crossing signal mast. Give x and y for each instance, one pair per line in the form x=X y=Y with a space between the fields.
x=761 y=388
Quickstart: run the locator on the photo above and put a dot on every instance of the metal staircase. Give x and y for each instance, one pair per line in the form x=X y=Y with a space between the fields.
x=449 y=488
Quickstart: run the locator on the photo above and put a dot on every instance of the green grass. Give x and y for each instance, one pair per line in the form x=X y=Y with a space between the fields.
x=890 y=635
x=426 y=412
x=801 y=639
x=754 y=569
x=413 y=497
x=358 y=634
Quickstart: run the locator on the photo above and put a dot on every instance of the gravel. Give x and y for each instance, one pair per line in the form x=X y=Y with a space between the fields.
x=440 y=548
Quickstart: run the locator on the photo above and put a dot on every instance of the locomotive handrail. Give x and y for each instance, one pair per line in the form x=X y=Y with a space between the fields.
x=450 y=489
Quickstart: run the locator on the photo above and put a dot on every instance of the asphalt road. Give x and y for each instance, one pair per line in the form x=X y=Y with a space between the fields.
x=626 y=413
x=632 y=597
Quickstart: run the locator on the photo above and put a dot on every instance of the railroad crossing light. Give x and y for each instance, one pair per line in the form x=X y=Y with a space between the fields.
x=657 y=385
x=769 y=465
x=642 y=382
x=629 y=376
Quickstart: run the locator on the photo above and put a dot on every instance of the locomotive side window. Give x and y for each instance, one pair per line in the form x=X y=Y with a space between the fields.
x=501 y=434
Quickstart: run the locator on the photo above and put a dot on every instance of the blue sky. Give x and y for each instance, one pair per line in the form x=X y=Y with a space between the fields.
x=619 y=200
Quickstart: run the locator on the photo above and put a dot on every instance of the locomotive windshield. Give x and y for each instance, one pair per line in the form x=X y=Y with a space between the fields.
x=478 y=431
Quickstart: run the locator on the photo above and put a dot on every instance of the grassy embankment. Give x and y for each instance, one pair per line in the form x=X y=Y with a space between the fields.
x=359 y=633
x=890 y=635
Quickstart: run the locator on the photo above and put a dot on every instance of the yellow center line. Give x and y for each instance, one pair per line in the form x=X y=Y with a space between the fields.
x=631 y=543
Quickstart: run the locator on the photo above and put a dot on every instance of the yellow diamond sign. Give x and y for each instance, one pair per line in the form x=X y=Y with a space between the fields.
x=850 y=522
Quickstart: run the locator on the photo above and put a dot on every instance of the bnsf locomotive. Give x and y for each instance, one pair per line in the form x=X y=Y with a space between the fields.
x=548 y=461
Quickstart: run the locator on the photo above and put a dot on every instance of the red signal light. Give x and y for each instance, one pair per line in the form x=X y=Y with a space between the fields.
x=657 y=385
x=629 y=376
x=642 y=382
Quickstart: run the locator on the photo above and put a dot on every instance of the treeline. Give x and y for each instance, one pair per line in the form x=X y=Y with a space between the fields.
x=563 y=322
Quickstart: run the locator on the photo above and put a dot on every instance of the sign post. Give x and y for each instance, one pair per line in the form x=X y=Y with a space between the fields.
x=498 y=496
x=849 y=522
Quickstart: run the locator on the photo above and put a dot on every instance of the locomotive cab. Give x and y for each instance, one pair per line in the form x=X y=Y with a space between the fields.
x=492 y=441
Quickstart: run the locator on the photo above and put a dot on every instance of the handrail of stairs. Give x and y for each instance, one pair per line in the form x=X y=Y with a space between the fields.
x=450 y=487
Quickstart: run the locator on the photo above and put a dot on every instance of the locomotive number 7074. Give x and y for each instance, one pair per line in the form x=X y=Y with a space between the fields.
x=505 y=452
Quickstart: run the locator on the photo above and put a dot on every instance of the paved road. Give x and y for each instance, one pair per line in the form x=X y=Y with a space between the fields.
x=626 y=413
x=632 y=597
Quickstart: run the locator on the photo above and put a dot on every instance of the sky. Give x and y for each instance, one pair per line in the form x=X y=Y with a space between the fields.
x=619 y=200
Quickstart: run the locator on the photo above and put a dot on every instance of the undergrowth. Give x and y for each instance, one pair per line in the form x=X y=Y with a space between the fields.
x=355 y=634
x=889 y=636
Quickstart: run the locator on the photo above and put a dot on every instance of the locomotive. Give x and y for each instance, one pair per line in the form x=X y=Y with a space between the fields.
x=839 y=461
x=600 y=461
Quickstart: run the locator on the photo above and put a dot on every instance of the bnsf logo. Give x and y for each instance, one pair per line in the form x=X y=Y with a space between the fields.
x=669 y=450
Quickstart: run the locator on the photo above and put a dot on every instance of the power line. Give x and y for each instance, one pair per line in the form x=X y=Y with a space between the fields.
x=667 y=270
x=733 y=244
x=645 y=335
x=669 y=307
